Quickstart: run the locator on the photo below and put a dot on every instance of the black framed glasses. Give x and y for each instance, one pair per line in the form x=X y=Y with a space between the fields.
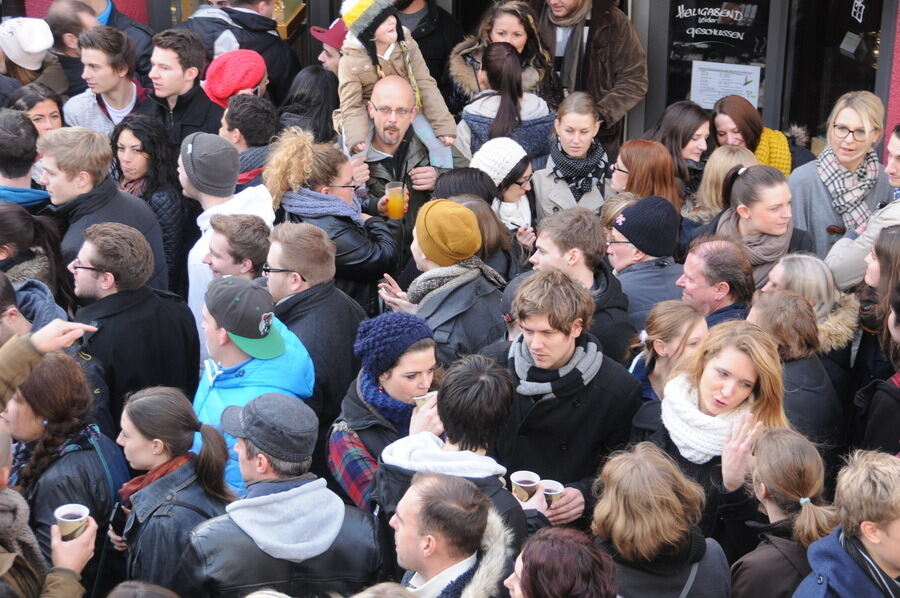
x=387 y=111
x=267 y=270
x=841 y=132
x=76 y=265
x=524 y=181
x=617 y=242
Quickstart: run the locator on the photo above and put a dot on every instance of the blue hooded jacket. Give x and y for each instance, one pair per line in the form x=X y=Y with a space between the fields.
x=37 y=305
x=292 y=373
x=834 y=573
x=30 y=199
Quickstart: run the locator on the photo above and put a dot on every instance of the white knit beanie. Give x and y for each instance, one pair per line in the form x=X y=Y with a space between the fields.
x=26 y=41
x=498 y=157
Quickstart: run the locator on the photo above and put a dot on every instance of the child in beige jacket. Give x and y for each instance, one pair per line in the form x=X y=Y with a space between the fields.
x=376 y=46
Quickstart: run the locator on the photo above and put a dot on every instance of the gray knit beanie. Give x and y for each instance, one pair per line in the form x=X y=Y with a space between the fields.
x=211 y=163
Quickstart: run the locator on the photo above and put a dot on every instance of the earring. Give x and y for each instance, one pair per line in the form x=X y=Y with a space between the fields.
x=380 y=388
x=45 y=422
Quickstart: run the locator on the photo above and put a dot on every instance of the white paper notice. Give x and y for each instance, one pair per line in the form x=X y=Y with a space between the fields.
x=713 y=80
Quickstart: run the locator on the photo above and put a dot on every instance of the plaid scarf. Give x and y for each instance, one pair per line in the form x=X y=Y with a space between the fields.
x=539 y=383
x=885 y=583
x=848 y=189
x=581 y=174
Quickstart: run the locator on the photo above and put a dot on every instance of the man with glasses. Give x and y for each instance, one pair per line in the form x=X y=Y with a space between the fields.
x=208 y=169
x=299 y=272
x=847 y=257
x=394 y=153
x=144 y=337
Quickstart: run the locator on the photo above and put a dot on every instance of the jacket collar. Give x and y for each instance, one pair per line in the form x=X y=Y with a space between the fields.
x=305 y=301
x=190 y=107
x=149 y=498
x=358 y=414
x=267 y=487
x=654 y=264
x=87 y=203
x=114 y=304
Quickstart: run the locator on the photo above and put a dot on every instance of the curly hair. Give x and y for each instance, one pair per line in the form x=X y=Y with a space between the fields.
x=57 y=391
x=162 y=170
x=296 y=161
x=534 y=54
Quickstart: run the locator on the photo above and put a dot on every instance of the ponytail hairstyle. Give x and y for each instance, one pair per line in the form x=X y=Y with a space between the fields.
x=709 y=200
x=165 y=413
x=56 y=391
x=296 y=161
x=501 y=65
x=22 y=231
x=664 y=323
x=792 y=471
x=742 y=185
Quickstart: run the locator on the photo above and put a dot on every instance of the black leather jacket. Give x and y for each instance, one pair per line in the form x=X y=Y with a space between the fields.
x=222 y=560
x=363 y=255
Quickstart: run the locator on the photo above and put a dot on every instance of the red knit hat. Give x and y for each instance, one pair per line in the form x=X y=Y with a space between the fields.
x=231 y=72
x=333 y=36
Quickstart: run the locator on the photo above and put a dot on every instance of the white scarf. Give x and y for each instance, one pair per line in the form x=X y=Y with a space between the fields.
x=513 y=215
x=699 y=437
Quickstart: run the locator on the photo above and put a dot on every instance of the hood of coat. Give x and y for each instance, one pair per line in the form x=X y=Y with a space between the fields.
x=295 y=525
x=424 y=452
x=255 y=201
x=465 y=62
x=607 y=291
x=493 y=559
x=839 y=328
x=252 y=21
x=487 y=103
x=37 y=305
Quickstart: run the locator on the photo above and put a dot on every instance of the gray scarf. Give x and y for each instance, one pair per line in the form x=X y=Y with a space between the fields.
x=543 y=384
x=451 y=277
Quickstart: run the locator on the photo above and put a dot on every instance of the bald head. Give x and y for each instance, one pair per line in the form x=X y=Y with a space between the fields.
x=392 y=109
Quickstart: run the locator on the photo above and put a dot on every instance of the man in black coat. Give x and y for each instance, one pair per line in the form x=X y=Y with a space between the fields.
x=434 y=29
x=573 y=404
x=178 y=64
x=300 y=276
x=573 y=241
x=247 y=24
x=76 y=173
x=144 y=337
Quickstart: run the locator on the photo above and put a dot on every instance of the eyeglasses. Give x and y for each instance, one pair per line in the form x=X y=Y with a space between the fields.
x=615 y=242
x=841 y=132
x=352 y=185
x=524 y=182
x=267 y=270
x=616 y=167
x=386 y=111
x=76 y=265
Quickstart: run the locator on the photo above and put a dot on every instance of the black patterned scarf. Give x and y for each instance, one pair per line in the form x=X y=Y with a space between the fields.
x=581 y=174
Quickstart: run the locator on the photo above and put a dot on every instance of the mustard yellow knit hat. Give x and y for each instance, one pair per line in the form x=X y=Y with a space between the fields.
x=447 y=232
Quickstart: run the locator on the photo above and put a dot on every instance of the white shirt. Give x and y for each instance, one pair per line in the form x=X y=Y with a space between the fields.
x=254 y=200
x=117 y=115
x=434 y=586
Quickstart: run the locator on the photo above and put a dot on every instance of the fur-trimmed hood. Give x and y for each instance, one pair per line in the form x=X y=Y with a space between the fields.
x=493 y=559
x=465 y=62
x=839 y=328
x=797 y=135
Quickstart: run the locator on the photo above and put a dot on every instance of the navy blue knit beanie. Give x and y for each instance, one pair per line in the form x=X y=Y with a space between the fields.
x=381 y=341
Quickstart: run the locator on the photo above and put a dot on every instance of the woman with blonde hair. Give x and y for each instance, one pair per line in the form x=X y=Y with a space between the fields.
x=788 y=479
x=647 y=520
x=576 y=170
x=313 y=183
x=708 y=202
x=673 y=331
x=735 y=376
x=836 y=313
x=836 y=193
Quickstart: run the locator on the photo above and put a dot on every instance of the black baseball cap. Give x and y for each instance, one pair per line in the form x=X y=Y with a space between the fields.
x=279 y=425
x=246 y=311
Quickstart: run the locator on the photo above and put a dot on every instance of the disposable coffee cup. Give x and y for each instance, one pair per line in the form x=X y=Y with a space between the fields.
x=421 y=400
x=72 y=520
x=552 y=490
x=524 y=484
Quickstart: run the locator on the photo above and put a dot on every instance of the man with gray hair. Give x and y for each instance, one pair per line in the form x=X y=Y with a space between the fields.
x=290 y=533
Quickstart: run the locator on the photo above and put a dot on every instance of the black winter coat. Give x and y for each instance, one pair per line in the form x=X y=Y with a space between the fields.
x=105 y=203
x=326 y=321
x=73 y=68
x=566 y=438
x=194 y=112
x=374 y=431
x=168 y=205
x=363 y=255
x=812 y=407
x=144 y=338
x=80 y=477
x=877 y=419
x=162 y=516
x=436 y=35
x=249 y=31
x=611 y=326
x=141 y=35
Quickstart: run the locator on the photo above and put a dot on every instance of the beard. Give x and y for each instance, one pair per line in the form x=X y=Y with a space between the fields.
x=402 y=4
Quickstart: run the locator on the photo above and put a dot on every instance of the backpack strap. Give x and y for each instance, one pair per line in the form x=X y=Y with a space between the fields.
x=686 y=590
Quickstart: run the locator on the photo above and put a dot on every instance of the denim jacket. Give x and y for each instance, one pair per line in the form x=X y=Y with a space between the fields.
x=162 y=517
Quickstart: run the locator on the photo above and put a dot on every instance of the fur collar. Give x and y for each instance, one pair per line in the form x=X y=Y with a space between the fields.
x=840 y=326
x=465 y=61
x=493 y=559
x=797 y=135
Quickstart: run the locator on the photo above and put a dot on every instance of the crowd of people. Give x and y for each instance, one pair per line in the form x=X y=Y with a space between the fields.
x=418 y=321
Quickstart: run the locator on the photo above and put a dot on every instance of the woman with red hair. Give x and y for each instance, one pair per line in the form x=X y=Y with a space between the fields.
x=646 y=168
x=561 y=562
